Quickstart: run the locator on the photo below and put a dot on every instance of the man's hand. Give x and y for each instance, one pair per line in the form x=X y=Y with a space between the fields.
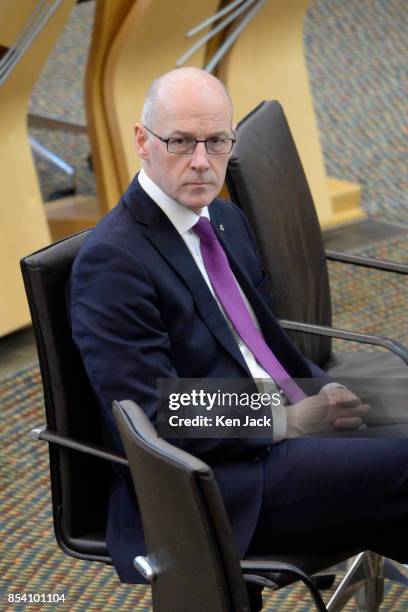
x=331 y=409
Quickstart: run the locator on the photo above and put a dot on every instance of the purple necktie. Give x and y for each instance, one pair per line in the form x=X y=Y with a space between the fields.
x=226 y=289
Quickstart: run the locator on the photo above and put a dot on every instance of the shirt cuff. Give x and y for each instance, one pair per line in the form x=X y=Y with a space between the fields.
x=280 y=422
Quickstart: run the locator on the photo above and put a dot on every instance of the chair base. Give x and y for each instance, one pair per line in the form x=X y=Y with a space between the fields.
x=364 y=580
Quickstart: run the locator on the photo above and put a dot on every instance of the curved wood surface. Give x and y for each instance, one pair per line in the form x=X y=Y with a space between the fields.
x=151 y=39
x=108 y=18
x=267 y=62
x=22 y=216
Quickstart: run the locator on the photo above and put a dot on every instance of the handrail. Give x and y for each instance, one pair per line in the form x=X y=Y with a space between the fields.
x=42 y=433
x=37 y=120
x=200 y=43
x=217 y=57
x=53 y=158
x=243 y=6
x=333 y=332
x=201 y=26
x=367 y=262
x=31 y=29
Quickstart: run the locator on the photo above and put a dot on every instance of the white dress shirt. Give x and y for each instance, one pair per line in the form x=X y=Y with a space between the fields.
x=184 y=219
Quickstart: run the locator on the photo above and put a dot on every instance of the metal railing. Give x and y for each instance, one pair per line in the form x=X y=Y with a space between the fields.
x=31 y=29
x=245 y=8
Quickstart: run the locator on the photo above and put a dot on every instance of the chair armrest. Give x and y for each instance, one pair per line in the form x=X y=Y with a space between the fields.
x=254 y=566
x=367 y=262
x=42 y=433
x=322 y=330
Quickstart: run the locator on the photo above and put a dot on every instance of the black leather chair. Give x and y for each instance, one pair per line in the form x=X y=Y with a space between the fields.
x=79 y=482
x=79 y=478
x=79 y=459
x=265 y=178
x=192 y=561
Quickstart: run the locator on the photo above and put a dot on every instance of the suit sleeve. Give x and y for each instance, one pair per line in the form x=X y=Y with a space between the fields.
x=123 y=342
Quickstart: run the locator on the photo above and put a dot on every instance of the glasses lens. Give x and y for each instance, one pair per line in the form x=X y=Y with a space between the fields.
x=180 y=145
x=218 y=146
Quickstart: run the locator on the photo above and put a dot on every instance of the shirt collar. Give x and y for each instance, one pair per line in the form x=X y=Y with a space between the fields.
x=181 y=217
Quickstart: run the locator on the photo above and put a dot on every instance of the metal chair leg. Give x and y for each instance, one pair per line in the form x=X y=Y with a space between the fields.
x=364 y=576
x=371 y=595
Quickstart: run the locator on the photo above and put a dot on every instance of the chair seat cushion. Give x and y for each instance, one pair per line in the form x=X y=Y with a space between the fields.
x=380 y=378
x=363 y=364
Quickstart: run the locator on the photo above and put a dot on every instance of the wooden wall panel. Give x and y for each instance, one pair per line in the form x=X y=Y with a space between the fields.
x=151 y=39
x=22 y=217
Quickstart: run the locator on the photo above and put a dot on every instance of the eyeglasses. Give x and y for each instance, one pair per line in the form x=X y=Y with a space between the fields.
x=185 y=145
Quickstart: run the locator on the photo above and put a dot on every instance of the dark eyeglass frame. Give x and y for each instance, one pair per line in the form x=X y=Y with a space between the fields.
x=194 y=140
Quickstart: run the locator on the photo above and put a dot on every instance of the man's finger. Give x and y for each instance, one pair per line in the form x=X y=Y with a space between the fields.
x=353 y=408
x=339 y=395
x=348 y=423
x=342 y=412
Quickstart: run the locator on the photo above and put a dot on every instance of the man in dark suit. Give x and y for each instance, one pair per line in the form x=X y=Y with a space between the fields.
x=170 y=285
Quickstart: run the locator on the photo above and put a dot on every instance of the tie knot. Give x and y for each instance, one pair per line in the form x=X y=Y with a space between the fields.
x=205 y=230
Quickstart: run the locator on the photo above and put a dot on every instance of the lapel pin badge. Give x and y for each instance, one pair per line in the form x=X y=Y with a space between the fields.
x=221 y=227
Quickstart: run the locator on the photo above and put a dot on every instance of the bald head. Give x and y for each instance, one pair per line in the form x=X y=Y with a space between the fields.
x=191 y=111
x=176 y=85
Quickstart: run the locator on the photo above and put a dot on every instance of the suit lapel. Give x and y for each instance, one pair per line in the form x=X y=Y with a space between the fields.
x=231 y=249
x=165 y=238
x=242 y=277
x=171 y=246
x=275 y=337
x=269 y=325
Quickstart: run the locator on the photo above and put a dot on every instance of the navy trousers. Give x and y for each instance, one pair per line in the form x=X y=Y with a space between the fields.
x=348 y=490
x=323 y=491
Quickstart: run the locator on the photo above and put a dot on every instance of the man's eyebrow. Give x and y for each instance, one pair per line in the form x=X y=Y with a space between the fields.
x=175 y=133
x=220 y=133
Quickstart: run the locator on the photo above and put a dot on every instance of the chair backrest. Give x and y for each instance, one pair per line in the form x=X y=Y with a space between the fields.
x=266 y=179
x=188 y=538
x=79 y=482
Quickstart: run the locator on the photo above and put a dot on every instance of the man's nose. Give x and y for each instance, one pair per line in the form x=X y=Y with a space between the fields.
x=199 y=158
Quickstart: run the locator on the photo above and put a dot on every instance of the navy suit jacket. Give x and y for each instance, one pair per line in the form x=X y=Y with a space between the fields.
x=141 y=310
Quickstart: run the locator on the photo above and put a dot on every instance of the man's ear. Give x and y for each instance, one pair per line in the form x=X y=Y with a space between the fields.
x=141 y=142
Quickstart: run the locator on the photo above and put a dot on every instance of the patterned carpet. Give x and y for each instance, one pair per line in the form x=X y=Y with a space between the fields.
x=30 y=559
x=356 y=54
x=370 y=300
